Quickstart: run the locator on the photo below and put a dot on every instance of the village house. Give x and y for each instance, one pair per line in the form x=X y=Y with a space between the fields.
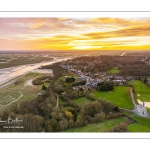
x=88 y=74
x=141 y=110
x=82 y=78
x=77 y=88
x=92 y=79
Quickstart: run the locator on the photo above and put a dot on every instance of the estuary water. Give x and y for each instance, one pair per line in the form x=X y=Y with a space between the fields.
x=7 y=74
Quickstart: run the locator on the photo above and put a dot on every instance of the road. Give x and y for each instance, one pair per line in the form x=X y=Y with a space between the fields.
x=122 y=53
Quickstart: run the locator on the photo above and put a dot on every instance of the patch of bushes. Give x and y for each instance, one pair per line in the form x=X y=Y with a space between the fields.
x=70 y=79
x=122 y=127
x=41 y=80
x=79 y=83
x=105 y=86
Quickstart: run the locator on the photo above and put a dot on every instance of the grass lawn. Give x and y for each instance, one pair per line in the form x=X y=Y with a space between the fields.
x=137 y=127
x=141 y=124
x=104 y=126
x=113 y=71
x=81 y=101
x=118 y=96
x=142 y=89
x=143 y=121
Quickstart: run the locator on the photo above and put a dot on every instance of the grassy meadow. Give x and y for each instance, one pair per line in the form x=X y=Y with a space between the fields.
x=137 y=127
x=141 y=124
x=119 y=97
x=113 y=71
x=81 y=101
x=142 y=90
x=13 y=91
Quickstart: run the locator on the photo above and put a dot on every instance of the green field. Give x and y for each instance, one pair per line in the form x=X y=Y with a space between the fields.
x=118 y=96
x=136 y=127
x=141 y=89
x=81 y=101
x=141 y=125
x=113 y=71
x=104 y=126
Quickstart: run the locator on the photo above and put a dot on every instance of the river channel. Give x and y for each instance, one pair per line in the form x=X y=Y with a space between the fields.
x=7 y=74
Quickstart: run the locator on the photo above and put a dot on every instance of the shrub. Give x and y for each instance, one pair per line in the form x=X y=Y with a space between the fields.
x=105 y=86
x=70 y=80
x=122 y=127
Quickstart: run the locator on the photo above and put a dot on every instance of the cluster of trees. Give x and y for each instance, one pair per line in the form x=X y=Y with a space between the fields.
x=79 y=83
x=105 y=86
x=145 y=81
x=41 y=80
x=128 y=65
x=70 y=79
x=95 y=111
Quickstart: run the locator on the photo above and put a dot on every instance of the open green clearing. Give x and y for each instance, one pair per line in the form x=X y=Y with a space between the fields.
x=81 y=101
x=11 y=92
x=137 y=127
x=141 y=125
x=113 y=71
x=142 y=89
x=104 y=126
x=141 y=120
x=119 y=96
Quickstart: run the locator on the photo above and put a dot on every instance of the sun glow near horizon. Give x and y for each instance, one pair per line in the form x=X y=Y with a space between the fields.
x=74 y=34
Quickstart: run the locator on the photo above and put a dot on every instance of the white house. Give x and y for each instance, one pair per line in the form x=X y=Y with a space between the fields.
x=141 y=110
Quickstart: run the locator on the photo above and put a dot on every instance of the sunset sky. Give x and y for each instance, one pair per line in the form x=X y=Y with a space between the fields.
x=75 y=33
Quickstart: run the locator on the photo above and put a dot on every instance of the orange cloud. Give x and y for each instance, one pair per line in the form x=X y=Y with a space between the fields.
x=75 y=33
x=36 y=25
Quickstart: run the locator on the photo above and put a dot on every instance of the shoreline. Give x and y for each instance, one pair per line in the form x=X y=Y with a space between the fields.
x=35 y=66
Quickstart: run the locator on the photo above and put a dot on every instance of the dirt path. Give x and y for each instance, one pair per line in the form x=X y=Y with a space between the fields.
x=132 y=97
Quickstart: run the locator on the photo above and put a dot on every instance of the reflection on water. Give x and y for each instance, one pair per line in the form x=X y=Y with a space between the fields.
x=10 y=73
